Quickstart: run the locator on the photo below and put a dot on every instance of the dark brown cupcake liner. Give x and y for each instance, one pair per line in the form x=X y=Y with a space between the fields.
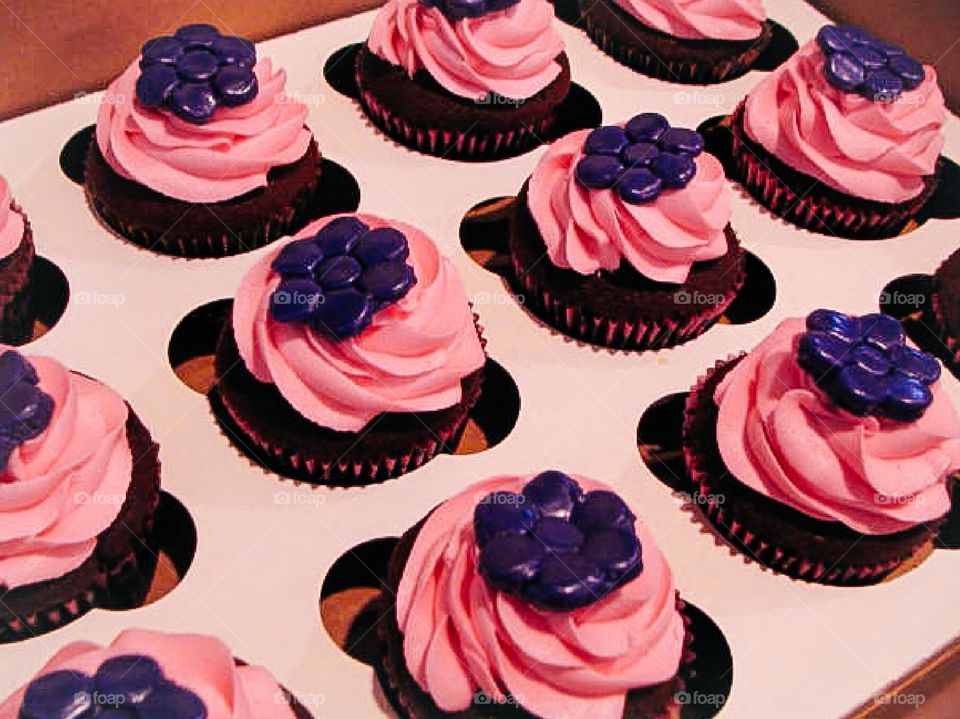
x=16 y=310
x=644 y=59
x=934 y=314
x=397 y=684
x=820 y=209
x=456 y=144
x=722 y=516
x=300 y=465
x=590 y=325
x=282 y=221
x=119 y=571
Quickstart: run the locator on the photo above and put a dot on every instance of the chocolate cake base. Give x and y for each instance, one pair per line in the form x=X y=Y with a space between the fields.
x=419 y=113
x=621 y=309
x=261 y=423
x=654 y=53
x=808 y=203
x=119 y=571
x=942 y=312
x=16 y=295
x=772 y=533
x=411 y=702
x=174 y=227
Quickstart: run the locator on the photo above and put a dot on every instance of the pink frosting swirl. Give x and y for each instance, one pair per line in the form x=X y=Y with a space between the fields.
x=225 y=158
x=874 y=150
x=460 y=635
x=200 y=663
x=781 y=436
x=63 y=488
x=410 y=359
x=11 y=222
x=511 y=52
x=588 y=230
x=700 y=19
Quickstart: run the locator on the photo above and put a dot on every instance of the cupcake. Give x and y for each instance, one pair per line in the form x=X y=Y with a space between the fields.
x=532 y=596
x=942 y=314
x=828 y=452
x=622 y=236
x=199 y=151
x=144 y=674
x=844 y=138
x=352 y=354
x=685 y=41
x=16 y=262
x=465 y=79
x=79 y=485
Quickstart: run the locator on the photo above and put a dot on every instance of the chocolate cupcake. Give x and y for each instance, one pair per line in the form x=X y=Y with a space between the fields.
x=16 y=262
x=531 y=597
x=622 y=237
x=464 y=79
x=79 y=485
x=844 y=138
x=145 y=674
x=942 y=312
x=199 y=151
x=680 y=40
x=352 y=355
x=828 y=452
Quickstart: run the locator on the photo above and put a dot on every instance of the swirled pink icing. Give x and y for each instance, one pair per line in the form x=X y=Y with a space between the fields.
x=200 y=663
x=874 y=150
x=410 y=359
x=63 y=488
x=781 y=436
x=460 y=635
x=11 y=222
x=511 y=52
x=225 y=158
x=700 y=19
x=588 y=230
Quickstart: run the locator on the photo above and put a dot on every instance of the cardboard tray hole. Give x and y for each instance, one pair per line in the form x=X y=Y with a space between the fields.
x=660 y=443
x=49 y=296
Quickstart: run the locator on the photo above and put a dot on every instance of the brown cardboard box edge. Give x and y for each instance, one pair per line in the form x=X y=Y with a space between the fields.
x=50 y=50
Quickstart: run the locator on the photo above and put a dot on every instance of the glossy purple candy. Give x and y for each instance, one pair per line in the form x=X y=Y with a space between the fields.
x=857 y=62
x=59 y=695
x=170 y=700
x=211 y=70
x=641 y=160
x=352 y=272
x=463 y=9
x=866 y=367
x=131 y=676
x=25 y=409
x=555 y=547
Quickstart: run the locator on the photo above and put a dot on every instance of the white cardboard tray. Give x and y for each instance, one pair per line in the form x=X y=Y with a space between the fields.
x=800 y=650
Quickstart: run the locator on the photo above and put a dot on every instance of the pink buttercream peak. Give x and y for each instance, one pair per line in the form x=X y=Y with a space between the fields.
x=63 y=488
x=700 y=19
x=511 y=52
x=783 y=437
x=588 y=230
x=198 y=663
x=875 y=150
x=11 y=221
x=410 y=359
x=225 y=158
x=461 y=636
